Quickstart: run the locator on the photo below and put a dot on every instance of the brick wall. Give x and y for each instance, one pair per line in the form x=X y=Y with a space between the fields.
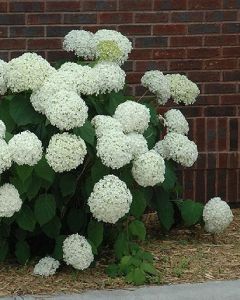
x=199 y=38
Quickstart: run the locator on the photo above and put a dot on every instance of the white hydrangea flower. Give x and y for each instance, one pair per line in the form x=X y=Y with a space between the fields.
x=138 y=144
x=110 y=199
x=133 y=116
x=114 y=149
x=77 y=252
x=103 y=124
x=10 y=201
x=66 y=110
x=149 y=169
x=65 y=152
x=157 y=83
x=88 y=83
x=25 y=148
x=5 y=156
x=217 y=215
x=179 y=148
x=123 y=42
x=81 y=42
x=59 y=80
x=46 y=266
x=2 y=129
x=27 y=72
x=110 y=76
x=175 y=121
x=182 y=89
x=3 y=68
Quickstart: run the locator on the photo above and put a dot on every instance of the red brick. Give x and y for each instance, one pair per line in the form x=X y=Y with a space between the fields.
x=220 y=40
x=233 y=159
x=231 y=28
x=231 y=51
x=231 y=75
x=220 y=88
x=230 y=99
x=53 y=56
x=185 y=41
x=135 y=29
x=26 y=6
x=151 y=17
x=203 y=52
x=3 y=6
x=134 y=77
x=99 y=5
x=135 y=5
x=81 y=18
x=223 y=160
x=62 y=5
x=186 y=65
x=204 y=4
x=207 y=99
x=169 y=29
x=12 y=19
x=169 y=53
x=44 y=44
x=202 y=76
x=220 y=64
x=37 y=19
x=143 y=66
x=200 y=186
x=151 y=42
x=203 y=28
x=211 y=134
x=218 y=16
x=26 y=31
x=220 y=111
x=3 y=32
x=189 y=184
x=200 y=134
x=231 y=4
x=187 y=16
x=170 y=4
x=222 y=184
x=234 y=134
x=141 y=54
x=9 y=44
x=95 y=28
x=232 y=186
x=116 y=18
x=190 y=112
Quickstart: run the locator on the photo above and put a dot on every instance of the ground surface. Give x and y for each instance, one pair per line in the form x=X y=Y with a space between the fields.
x=181 y=257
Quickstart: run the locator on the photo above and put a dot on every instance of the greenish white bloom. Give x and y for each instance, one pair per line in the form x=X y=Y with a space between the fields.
x=2 y=129
x=5 y=156
x=103 y=124
x=46 y=266
x=138 y=144
x=175 y=121
x=10 y=201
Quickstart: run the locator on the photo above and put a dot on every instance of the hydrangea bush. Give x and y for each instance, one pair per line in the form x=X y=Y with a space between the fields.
x=80 y=162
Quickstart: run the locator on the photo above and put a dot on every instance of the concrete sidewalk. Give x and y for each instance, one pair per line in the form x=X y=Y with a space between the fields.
x=217 y=290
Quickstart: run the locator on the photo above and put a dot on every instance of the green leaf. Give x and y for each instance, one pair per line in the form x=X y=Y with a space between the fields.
x=121 y=245
x=151 y=135
x=125 y=264
x=58 y=251
x=98 y=170
x=95 y=232
x=23 y=112
x=153 y=113
x=76 y=218
x=3 y=250
x=25 y=218
x=138 y=205
x=5 y=115
x=8 y=136
x=191 y=212
x=137 y=228
x=136 y=276
x=164 y=208
x=68 y=184
x=52 y=228
x=148 y=268
x=44 y=171
x=114 y=99
x=112 y=270
x=21 y=186
x=22 y=252
x=45 y=208
x=86 y=132
x=170 y=177
x=24 y=172
x=34 y=187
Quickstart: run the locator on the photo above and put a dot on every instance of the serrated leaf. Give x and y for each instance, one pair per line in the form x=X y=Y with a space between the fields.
x=121 y=245
x=164 y=208
x=170 y=177
x=3 y=250
x=22 y=252
x=112 y=270
x=68 y=184
x=44 y=171
x=138 y=205
x=191 y=212
x=26 y=219
x=151 y=136
x=86 y=132
x=95 y=232
x=5 y=115
x=45 y=208
x=34 y=187
x=52 y=228
x=24 y=172
x=137 y=228
x=98 y=170
x=136 y=276
x=148 y=268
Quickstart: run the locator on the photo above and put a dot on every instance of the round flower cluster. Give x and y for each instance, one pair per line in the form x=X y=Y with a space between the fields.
x=110 y=77
x=27 y=72
x=3 y=68
x=133 y=116
x=149 y=169
x=103 y=124
x=66 y=110
x=65 y=152
x=182 y=89
x=108 y=51
x=123 y=43
x=81 y=42
x=77 y=252
x=110 y=199
x=10 y=201
x=2 y=130
x=175 y=121
x=157 y=83
x=114 y=149
x=5 y=156
x=25 y=148
x=217 y=215
x=46 y=266
x=179 y=148
x=89 y=82
x=138 y=144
